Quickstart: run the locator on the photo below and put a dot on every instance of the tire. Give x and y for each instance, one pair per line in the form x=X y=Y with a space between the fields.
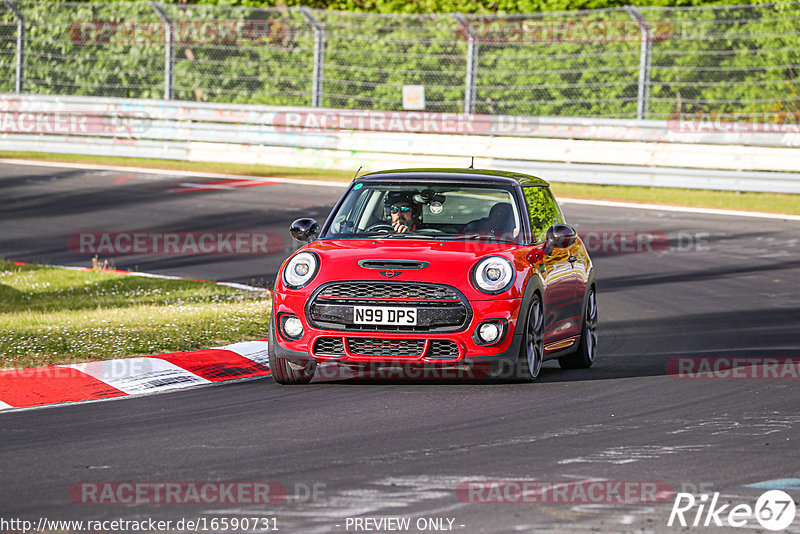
x=286 y=371
x=586 y=353
x=531 y=353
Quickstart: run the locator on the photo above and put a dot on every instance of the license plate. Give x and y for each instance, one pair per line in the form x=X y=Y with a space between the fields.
x=384 y=315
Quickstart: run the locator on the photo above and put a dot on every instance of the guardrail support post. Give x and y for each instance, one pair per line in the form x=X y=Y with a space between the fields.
x=646 y=50
x=20 y=59
x=319 y=57
x=472 y=64
x=169 y=52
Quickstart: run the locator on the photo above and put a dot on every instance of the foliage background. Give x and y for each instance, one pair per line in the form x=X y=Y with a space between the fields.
x=716 y=58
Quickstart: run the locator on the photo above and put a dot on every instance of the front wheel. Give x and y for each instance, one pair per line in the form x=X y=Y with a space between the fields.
x=532 y=350
x=586 y=352
x=286 y=371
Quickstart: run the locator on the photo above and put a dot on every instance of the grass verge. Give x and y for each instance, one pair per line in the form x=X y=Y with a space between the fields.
x=54 y=316
x=699 y=198
x=696 y=198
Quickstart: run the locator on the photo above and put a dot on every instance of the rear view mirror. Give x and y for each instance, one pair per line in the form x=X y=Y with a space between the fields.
x=559 y=236
x=304 y=230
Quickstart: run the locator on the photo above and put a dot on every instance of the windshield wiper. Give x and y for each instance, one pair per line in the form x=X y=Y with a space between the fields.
x=369 y=235
x=405 y=235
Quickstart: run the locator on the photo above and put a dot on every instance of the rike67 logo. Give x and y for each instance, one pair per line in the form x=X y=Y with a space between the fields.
x=774 y=510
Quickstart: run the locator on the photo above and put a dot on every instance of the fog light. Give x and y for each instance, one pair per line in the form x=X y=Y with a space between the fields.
x=292 y=327
x=489 y=332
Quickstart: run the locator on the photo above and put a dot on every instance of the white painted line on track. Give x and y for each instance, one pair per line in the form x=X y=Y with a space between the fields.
x=324 y=183
x=791 y=484
x=234 y=285
x=170 y=277
x=172 y=172
x=679 y=209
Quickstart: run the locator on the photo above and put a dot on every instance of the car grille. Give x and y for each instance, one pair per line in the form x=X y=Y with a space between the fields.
x=401 y=348
x=442 y=349
x=388 y=290
x=329 y=346
x=438 y=349
x=440 y=308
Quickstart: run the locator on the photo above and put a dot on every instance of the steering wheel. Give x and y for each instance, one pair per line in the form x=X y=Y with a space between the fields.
x=380 y=227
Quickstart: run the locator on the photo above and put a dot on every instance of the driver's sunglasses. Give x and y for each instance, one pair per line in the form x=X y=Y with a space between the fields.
x=404 y=209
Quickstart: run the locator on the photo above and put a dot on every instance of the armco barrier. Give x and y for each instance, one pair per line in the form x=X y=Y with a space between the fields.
x=618 y=152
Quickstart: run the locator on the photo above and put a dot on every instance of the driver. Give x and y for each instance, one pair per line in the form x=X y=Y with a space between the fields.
x=404 y=211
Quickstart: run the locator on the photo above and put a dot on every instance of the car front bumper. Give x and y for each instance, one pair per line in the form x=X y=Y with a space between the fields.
x=363 y=347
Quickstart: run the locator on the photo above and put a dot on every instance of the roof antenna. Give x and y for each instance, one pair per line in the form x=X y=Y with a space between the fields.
x=358 y=171
x=471 y=163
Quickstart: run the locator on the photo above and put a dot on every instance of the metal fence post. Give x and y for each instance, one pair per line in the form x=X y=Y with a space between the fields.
x=646 y=50
x=169 y=52
x=20 y=59
x=472 y=64
x=319 y=56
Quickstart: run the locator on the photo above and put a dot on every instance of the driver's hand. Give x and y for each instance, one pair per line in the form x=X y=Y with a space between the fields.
x=400 y=227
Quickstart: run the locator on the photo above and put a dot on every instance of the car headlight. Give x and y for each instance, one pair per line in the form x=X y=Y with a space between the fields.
x=493 y=274
x=300 y=270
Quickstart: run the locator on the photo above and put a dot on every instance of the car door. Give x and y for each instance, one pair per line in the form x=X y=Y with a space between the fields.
x=563 y=296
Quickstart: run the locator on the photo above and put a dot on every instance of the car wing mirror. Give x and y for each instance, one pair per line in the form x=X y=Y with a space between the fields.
x=559 y=236
x=304 y=230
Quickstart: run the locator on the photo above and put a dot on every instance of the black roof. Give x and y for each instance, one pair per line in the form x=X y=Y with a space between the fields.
x=456 y=175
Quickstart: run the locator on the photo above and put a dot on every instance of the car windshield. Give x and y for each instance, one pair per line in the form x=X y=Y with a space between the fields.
x=429 y=210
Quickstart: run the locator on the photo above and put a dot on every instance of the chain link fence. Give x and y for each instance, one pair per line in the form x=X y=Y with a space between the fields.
x=614 y=63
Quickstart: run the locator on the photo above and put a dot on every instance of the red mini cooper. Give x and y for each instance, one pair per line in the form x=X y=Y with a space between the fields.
x=436 y=268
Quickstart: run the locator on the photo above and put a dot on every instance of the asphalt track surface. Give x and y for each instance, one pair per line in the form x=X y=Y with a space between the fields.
x=724 y=287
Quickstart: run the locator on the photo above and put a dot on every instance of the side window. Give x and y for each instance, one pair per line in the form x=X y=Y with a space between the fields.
x=543 y=211
x=354 y=213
